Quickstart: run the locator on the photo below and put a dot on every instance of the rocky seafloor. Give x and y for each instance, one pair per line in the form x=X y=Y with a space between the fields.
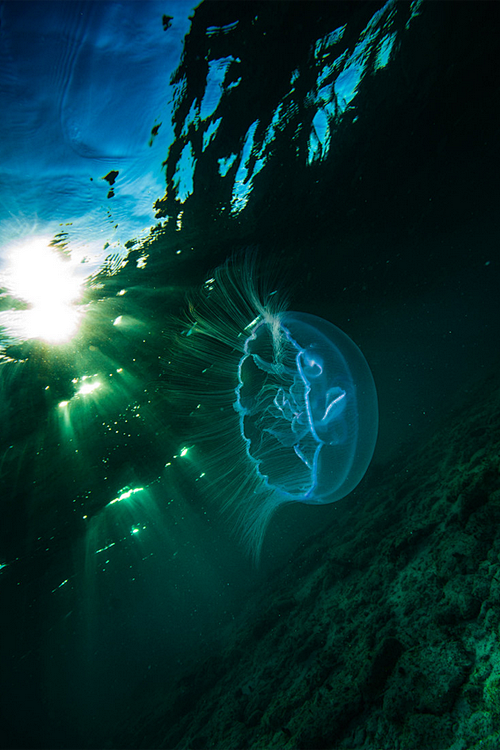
x=383 y=632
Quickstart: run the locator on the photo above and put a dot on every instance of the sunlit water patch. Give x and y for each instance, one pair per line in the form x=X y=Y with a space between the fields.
x=45 y=286
x=90 y=100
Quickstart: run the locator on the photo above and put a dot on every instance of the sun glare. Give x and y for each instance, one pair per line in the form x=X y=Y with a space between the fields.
x=47 y=282
x=88 y=388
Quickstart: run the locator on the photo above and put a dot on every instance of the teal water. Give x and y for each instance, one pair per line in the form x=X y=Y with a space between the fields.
x=354 y=147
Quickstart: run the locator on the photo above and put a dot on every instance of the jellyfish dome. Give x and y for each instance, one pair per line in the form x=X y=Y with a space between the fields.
x=287 y=406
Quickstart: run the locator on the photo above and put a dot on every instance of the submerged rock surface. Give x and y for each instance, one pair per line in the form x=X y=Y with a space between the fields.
x=382 y=632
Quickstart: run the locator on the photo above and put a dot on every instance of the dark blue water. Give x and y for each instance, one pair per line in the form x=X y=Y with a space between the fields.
x=354 y=146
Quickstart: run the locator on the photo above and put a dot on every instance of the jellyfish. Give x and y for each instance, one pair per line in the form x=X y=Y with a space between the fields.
x=283 y=402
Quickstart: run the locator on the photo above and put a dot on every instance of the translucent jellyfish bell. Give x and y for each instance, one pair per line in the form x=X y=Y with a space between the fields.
x=307 y=406
x=289 y=399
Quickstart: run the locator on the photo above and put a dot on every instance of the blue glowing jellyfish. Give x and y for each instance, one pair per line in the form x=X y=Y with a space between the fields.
x=286 y=401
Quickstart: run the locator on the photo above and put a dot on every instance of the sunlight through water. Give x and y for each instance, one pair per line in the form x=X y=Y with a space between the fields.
x=46 y=283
